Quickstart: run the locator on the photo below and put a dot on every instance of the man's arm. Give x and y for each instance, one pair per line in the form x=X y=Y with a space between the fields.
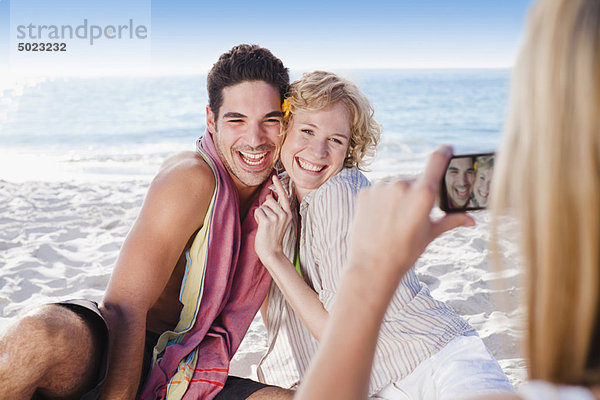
x=174 y=208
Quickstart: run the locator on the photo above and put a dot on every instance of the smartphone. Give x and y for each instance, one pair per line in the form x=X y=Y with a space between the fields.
x=466 y=182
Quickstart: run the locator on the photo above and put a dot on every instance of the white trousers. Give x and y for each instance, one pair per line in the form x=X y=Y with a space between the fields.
x=462 y=368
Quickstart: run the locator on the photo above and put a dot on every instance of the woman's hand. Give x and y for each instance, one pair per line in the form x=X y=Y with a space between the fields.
x=273 y=218
x=393 y=227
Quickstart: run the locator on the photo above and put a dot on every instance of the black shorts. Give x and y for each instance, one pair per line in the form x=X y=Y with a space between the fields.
x=235 y=387
x=239 y=388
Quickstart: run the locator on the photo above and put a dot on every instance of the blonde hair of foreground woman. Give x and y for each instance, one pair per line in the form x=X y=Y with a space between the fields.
x=549 y=174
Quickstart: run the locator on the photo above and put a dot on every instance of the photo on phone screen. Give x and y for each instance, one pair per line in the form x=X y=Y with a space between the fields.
x=466 y=183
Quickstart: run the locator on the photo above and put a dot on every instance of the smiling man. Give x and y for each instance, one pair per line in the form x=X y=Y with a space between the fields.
x=187 y=282
x=248 y=158
x=459 y=181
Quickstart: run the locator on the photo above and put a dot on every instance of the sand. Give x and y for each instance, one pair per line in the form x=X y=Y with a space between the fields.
x=61 y=240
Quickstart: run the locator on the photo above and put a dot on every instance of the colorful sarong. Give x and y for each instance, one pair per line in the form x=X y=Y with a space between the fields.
x=223 y=288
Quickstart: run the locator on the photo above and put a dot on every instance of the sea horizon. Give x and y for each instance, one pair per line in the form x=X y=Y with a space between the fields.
x=123 y=127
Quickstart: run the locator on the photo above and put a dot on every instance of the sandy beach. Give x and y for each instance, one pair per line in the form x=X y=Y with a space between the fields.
x=60 y=240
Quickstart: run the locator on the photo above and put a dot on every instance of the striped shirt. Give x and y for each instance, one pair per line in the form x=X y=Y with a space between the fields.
x=415 y=325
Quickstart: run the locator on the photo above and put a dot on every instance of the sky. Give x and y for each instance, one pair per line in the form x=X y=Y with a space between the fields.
x=188 y=36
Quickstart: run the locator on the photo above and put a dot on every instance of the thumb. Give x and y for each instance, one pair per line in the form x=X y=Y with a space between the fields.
x=451 y=221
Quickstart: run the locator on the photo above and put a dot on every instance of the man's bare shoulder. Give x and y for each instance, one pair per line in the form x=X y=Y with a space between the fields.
x=180 y=193
x=188 y=172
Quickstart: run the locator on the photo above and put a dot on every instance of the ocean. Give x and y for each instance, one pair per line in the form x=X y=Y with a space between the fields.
x=123 y=128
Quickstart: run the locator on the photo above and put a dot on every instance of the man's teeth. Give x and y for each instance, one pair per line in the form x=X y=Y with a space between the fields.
x=252 y=158
x=310 y=167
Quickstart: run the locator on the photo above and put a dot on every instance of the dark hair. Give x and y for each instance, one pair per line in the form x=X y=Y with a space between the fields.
x=243 y=63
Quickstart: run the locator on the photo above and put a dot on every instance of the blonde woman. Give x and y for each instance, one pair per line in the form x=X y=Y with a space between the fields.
x=548 y=176
x=425 y=350
x=484 y=169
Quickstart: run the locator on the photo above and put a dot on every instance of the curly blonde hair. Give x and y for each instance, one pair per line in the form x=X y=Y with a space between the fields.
x=319 y=89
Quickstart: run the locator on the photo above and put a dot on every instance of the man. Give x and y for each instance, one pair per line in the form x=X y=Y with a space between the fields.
x=459 y=181
x=192 y=224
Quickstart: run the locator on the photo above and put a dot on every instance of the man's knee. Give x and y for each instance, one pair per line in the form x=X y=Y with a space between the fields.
x=49 y=326
x=272 y=393
x=53 y=347
x=47 y=334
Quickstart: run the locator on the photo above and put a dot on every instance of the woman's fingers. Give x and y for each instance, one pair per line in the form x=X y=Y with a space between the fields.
x=436 y=167
x=282 y=197
x=276 y=207
x=269 y=211
x=451 y=221
x=273 y=221
x=259 y=215
x=393 y=220
x=263 y=215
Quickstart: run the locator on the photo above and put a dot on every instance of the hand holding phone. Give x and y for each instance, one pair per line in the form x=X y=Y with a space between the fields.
x=466 y=183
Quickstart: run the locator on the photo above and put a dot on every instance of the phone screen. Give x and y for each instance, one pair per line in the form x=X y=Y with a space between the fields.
x=466 y=183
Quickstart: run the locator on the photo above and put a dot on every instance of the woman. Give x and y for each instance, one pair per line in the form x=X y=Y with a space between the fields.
x=424 y=350
x=484 y=169
x=548 y=175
